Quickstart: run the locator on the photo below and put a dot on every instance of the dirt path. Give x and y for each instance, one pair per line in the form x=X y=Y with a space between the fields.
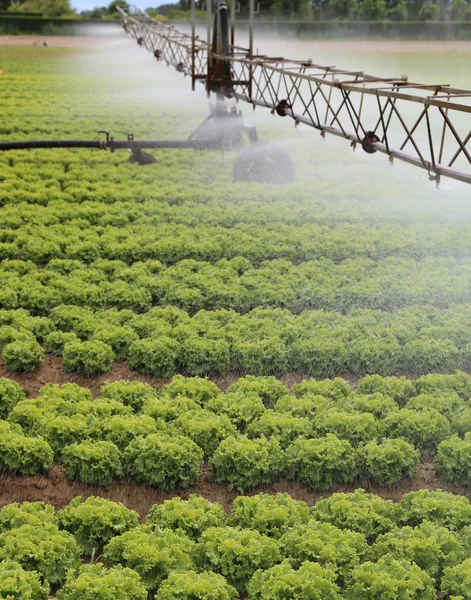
x=54 y=488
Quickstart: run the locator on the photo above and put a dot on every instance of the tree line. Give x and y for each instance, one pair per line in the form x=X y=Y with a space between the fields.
x=305 y=10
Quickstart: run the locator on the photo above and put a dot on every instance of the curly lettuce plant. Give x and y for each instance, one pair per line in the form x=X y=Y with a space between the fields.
x=282 y=581
x=44 y=549
x=236 y=553
x=95 y=581
x=16 y=583
x=94 y=463
x=388 y=462
x=131 y=393
x=321 y=462
x=242 y=463
x=164 y=461
x=270 y=515
x=89 y=358
x=199 y=389
x=398 y=579
x=190 y=585
x=10 y=394
x=94 y=521
x=23 y=356
x=153 y=553
x=24 y=455
x=192 y=516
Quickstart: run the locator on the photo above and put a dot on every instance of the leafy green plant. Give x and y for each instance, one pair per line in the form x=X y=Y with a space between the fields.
x=90 y=358
x=192 y=516
x=446 y=403
x=56 y=340
x=61 y=431
x=378 y=404
x=169 y=409
x=190 y=585
x=456 y=581
x=388 y=462
x=443 y=508
x=398 y=388
x=270 y=515
x=242 y=463
x=95 y=581
x=269 y=389
x=94 y=463
x=311 y=580
x=164 y=461
x=352 y=426
x=284 y=427
x=10 y=394
x=431 y=383
x=203 y=356
x=334 y=389
x=397 y=579
x=424 y=429
x=321 y=462
x=24 y=455
x=358 y=511
x=44 y=549
x=236 y=553
x=156 y=357
x=239 y=407
x=15 y=515
x=199 y=389
x=18 y=584
x=118 y=338
x=10 y=335
x=154 y=554
x=123 y=429
x=70 y=392
x=307 y=405
x=23 y=356
x=131 y=393
x=452 y=461
x=205 y=428
x=338 y=549
x=432 y=547
x=95 y=521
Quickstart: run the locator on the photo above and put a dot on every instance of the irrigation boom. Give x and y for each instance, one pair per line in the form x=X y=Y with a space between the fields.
x=426 y=125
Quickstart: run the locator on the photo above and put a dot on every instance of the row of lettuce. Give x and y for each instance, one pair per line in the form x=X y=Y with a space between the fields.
x=236 y=285
x=164 y=341
x=75 y=238
x=355 y=546
x=319 y=433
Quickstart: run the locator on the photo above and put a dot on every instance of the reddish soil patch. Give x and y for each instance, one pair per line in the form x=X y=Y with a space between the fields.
x=54 y=488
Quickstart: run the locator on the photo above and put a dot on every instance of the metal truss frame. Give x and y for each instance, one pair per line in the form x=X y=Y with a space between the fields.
x=427 y=126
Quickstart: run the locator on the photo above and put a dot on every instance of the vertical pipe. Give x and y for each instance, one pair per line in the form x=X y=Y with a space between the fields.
x=251 y=25
x=193 y=33
x=208 y=79
x=233 y=14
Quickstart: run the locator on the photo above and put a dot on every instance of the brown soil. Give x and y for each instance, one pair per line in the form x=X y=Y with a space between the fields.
x=51 y=372
x=54 y=488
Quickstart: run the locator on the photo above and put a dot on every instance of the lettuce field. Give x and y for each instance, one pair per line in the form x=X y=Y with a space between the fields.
x=216 y=391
